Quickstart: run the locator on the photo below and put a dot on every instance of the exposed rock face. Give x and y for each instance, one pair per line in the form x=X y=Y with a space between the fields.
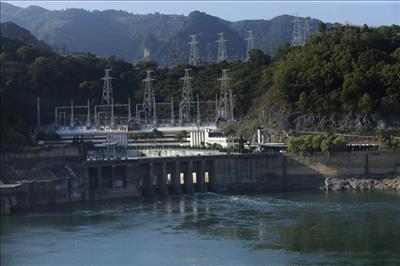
x=352 y=122
x=347 y=184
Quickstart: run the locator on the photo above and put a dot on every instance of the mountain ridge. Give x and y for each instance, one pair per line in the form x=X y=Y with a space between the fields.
x=13 y=31
x=126 y=35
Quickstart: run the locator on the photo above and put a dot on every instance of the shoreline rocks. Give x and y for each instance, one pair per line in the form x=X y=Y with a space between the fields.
x=362 y=184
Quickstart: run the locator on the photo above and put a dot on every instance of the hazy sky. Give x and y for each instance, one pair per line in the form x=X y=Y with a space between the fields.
x=373 y=13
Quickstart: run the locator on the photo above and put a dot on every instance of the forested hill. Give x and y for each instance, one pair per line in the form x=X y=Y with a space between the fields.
x=12 y=30
x=125 y=35
x=344 y=78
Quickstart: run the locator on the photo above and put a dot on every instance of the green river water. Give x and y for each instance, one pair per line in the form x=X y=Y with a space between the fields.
x=357 y=228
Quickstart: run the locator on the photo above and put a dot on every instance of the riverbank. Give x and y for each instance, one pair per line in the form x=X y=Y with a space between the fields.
x=361 y=184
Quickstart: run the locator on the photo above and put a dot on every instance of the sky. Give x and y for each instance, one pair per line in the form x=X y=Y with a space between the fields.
x=373 y=13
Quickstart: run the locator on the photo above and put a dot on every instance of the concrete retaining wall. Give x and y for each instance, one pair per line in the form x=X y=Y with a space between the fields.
x=368 y=164
x=40 y=152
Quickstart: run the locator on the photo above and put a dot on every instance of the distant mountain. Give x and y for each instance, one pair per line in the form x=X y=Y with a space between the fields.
x=126 y=35
x=13 y=31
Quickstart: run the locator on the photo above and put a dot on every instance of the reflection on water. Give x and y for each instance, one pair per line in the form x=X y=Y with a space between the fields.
x=211 y=229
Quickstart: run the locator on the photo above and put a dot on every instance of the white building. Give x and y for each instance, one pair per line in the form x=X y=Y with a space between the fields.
x=207 y=137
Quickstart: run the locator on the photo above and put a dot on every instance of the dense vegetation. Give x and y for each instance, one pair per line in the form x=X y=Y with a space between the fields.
x=339 y=71
x=309 y=144
x=125 y=35
x=342 y=70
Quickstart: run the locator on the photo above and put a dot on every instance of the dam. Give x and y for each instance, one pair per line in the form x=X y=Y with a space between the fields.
x=262 y=172
x=74 y=179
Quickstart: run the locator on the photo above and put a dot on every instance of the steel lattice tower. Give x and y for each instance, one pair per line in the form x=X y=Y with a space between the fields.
x=108 y=97
x=39 y=124
x=185 y=106
x=221 y=48
x=306 y=30
x=194 y=58
x=297 y=37
x=225 y=104
x=250 y=43
x=149 y=102
x=146 y=54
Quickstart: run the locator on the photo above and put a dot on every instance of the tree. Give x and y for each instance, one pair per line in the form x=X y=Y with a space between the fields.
x=353 y=86
x=27 y=53
x=339 y=144
x=321 y=27
x=316 y=142
x=258 y=58
x=181 y=135
x=365 y=104
x=302 y=103
x=157 y=133
x=326 y=145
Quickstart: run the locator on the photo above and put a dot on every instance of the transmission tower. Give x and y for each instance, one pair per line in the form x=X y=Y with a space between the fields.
x=250 y=43
x=172 y=112
x=297 y=37
x=306 y=30
x=149 y=101
x=88 y=114
x=221 y=48
x=107 y=88
x=225 y=104
x=186 y=103
x=194 y=58
x=39 y=124
x=146 y=54
x=198 y=119
x=72 y=119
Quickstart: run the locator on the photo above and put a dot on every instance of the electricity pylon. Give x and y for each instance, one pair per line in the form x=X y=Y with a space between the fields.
x=250 y=43
x=297 y=36
x=185 y=106
x=194 y=58
x=221 y=56
x=107 y=97
x=225 y=103
x=149 y=101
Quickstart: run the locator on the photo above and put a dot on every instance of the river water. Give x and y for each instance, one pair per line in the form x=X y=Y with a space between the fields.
x=209 y=229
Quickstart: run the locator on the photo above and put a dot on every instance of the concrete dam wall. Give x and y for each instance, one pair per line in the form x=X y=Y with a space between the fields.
x=231 y=173
x=261 y=172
